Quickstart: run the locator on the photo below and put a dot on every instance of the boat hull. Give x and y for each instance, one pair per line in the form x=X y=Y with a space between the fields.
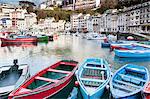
x=126 y=85
x=131 y=54
x=146 y=91
x=88 y=73
x=48 y=90
x=5 y=90
x=42 y=38
x=94 y=96
x=146 y=96
x=45 y=93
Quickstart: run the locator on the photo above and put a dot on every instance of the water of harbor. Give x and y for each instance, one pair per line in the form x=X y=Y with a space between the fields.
x=41 y=55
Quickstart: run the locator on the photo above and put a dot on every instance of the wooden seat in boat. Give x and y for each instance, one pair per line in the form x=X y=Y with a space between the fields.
x=129 y=84
x=58 y=71
x=94 y=80
x=46 y=79
x=132 y=78
x=123 y=88
x=142 y=71
x=95 y=68
x=24 y=90
x=90 y=83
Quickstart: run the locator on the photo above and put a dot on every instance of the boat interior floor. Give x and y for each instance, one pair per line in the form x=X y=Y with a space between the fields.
x=90 y=89
x=9 y=79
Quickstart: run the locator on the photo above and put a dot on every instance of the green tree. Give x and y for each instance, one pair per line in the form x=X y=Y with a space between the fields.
x=41 y=14
x=30 y=9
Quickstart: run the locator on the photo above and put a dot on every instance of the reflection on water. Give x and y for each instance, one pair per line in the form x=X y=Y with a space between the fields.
x=18 y=44
x=65 y=47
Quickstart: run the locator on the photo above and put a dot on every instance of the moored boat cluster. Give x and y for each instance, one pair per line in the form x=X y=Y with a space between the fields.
x=93 y=76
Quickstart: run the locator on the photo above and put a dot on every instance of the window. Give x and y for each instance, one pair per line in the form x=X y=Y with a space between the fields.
x=143 y=28
x=137 y=17
x=148 y=15
x=148 y=9
x=148 y=28
x=132 y=13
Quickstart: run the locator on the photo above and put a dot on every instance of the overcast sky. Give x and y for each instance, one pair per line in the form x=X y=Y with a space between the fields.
x=16 y=1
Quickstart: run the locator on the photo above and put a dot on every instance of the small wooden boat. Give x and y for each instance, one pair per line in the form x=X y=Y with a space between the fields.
x=47 y=82
x=132 y=53
x=129 y=81
x=20 y=39
x=11 y=77
x=95 y=36
x=93 y=76
x=146 y=91
x=108 y=43
x=105 y=44
x=42 y=38
x=130 y=46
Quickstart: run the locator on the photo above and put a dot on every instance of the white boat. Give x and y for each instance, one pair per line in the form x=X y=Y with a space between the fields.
x=11 y=77
x=95 y=36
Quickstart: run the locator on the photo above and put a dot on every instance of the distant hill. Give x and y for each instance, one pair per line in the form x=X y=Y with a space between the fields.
x=37 y=2
x=128 y=3
x=118 y=4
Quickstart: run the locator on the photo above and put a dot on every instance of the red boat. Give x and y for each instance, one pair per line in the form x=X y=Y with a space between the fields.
x=119 y=46
x=147 y=91
x=47 y=82
x=20 y=39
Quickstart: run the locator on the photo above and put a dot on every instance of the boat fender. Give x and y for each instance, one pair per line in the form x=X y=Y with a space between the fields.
x=107 y=87
x=76 y=83
x=102 y=72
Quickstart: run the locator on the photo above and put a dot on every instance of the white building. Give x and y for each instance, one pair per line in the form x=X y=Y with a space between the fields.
x=67 y=26
x=103 y=23
x=21 y=25
x=30 y=19
x=114 y=19
x=43 y=6
x=74 y=21
x=58 y=26
x=96 y=23
x=6 y=22
x=122 y=22
x=49 y=24
x=89 y=24
x=98 y=3
x=85 y=23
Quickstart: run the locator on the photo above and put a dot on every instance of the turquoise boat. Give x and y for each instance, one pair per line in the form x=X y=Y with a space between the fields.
x=133 y=53
x=93 y=76
x=129 y=81
x=42 y=38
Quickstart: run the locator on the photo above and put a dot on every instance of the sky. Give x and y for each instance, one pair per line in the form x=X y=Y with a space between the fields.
x=16 y=1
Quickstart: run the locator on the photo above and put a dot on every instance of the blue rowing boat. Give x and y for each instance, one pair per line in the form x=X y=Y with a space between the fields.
x=93 y=76
x=108 y=43
x=129 y=81
x=133 y=53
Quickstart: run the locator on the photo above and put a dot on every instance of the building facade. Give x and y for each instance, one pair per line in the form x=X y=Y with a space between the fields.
x=145 y=17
